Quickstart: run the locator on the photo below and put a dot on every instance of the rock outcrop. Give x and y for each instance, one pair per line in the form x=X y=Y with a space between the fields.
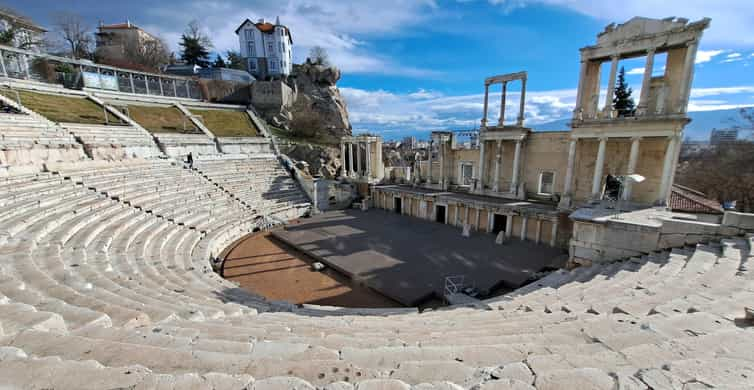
x=319 y=111
x=322 y=161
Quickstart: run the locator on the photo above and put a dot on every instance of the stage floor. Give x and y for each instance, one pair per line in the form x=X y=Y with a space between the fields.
x=407 y=259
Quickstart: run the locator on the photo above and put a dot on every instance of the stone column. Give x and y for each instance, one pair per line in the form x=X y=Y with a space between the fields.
x=554 y=233
x=486 y=97
x=25 y=65
x=520 y=121
x=611 y=86
x=645 y=83
x=455 y=216
x=351 y=156
x=524 y=225
x=480 y=179
x=429 y=162
x=2 y=64
x=633 y=158
x=131 y=80
x=442 y=164
x=478 y=217
x=568 y=183
x=358 y=160
x=501 y=121
x=538 y=236
x=509 y=226
x=667 y=171
x=369 y=160
x=498 y=155
x=688 y=75
x=466 y=215
x=343 y=159
x=516 y=164
x=598 y=168
x=175 y=90
x=380 y=165
x=579 y=90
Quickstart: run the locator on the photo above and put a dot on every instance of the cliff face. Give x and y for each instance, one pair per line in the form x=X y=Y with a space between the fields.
x=319 y=110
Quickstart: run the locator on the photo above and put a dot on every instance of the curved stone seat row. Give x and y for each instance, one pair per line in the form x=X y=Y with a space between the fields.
x=108 y=284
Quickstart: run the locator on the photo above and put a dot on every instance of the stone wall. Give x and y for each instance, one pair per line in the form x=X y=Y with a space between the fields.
x=616 y=239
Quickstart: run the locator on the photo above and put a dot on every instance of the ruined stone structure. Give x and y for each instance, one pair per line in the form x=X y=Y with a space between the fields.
x=361 y=158
x=109 y=240
x=525 y=180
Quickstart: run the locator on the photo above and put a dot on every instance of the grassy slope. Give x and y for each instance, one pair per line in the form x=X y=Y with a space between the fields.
x=59 y=108
x=227 y=123
x=161 y=119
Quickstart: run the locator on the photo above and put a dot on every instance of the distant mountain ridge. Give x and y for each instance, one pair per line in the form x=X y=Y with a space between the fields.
x=702 y=123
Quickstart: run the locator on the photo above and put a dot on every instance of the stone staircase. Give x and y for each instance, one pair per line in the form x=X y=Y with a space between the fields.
x=105 y=282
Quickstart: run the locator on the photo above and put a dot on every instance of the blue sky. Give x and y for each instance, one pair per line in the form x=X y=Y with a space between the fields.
x=416 y=66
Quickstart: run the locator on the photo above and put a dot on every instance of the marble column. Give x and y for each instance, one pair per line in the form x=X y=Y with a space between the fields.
x=442 y=164
x=478 y=217
x=554 y=233
x=2 y=64
x=598 y=168
x=480 y=179
x=633 y=158
x=429 y=161
x=486 y=97
x=369 y=160
x=667 y=171
x=351 y=158
x=538 y=234
x=501 y=121
x=498 y=155
x=611 y=87
x=688 y=75
x=579 y=90
x=516 y=164
x=520 y=121
x=509 y=226
x=568 y=183
x=645 y=83
x=343 y=159
x=358 y=160
x=524 y=226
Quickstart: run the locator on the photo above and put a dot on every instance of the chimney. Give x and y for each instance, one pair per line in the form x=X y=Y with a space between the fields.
x=277 y=21
x=261 y=21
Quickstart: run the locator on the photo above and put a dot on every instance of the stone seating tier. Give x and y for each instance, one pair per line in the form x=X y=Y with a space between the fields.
x=98 y=293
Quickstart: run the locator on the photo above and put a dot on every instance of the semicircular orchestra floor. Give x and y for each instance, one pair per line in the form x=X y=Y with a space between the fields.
x=262 y=264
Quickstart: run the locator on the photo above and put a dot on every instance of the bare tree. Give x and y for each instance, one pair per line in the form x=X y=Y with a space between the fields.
x=318 y=55
x=75 y=34
x=148 y=55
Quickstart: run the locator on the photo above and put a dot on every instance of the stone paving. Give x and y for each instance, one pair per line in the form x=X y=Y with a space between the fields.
x=407 y=259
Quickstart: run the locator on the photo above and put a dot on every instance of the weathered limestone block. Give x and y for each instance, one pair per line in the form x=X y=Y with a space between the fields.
x=505 y=384
x=740 y=220
x=338 y=386
x=282 y=383
x=518 y=371
x=437 y=386
x=382 y=384
x=422 y=371
x=581 y=378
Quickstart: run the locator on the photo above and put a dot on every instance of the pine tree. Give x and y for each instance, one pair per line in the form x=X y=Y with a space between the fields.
x=219 y=62
x=622 y=100
x=195 y=46
x=234 y=60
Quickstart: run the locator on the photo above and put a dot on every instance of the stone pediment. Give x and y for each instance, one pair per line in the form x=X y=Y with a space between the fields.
x=639 y=26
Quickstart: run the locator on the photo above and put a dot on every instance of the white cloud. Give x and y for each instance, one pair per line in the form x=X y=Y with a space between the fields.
x=339 y=26
x=421 y=112
x=703 y=56
x=733 y=57
x=635 y=71
x=731 y=20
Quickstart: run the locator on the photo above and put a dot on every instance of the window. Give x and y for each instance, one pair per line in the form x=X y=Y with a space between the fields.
x=252 y=49
x=269 y=48
x=252 y=64
x=546 y=182
x=273 y=65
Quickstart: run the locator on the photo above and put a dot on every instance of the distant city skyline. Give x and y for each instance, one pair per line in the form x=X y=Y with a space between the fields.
x=412 y=67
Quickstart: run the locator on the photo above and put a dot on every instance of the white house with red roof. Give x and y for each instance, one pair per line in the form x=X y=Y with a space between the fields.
x=266 y=47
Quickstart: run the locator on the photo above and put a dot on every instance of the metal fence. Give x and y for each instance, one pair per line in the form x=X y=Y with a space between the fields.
x=77 y=74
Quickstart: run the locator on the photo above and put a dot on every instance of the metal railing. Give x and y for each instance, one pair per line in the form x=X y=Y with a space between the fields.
x=76 y=74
